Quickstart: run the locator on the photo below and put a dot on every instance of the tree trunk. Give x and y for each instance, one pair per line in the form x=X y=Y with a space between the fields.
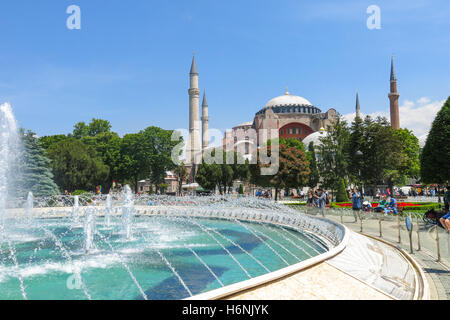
x=276 y=194
x=180 y=187
x=135 y=184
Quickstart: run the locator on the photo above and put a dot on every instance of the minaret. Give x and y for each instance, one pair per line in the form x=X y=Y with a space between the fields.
x=193 y=150
x=205 y=122
x=358 y=107
x=393 y=97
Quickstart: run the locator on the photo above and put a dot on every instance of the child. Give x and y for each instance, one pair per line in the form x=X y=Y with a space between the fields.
x=392 y=207
x=445 y=221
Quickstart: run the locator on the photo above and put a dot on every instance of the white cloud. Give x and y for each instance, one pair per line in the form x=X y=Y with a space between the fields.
x=423 y=100
x=415 y=116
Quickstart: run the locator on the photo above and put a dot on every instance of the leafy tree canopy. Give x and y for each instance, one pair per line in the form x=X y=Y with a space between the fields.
x=76 y=165
x=434 y=160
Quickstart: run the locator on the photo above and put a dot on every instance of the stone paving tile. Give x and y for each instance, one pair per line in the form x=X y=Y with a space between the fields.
x=321 y=282
x=439 y=272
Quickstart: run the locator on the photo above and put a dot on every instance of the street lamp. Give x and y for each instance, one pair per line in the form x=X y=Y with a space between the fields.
x=359 y=154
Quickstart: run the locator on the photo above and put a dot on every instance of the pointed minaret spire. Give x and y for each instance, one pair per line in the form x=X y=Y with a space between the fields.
x=358 y=107
x=194 y=67
x=393 y=97
x=205 y=102
x=393 y=76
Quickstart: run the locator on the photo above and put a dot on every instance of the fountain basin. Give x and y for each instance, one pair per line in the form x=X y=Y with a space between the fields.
x=168 y=257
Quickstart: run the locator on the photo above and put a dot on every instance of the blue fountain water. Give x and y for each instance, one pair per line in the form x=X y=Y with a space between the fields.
x=124 y=246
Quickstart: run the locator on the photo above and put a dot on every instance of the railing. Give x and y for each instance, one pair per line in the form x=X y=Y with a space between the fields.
x=425 y=236
x=330 y=231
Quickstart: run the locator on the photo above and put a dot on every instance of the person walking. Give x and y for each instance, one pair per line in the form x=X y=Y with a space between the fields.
x=356 y=203
x=310 y=199
x=321 y=199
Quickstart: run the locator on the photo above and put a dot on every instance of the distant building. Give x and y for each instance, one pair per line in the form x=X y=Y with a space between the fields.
x=170 y=180
x=290 y=116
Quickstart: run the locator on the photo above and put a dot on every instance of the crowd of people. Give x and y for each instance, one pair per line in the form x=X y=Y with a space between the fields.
x=318 y=199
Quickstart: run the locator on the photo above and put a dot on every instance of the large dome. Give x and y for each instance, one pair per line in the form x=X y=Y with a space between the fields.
x=287 y=100
x=289 y=103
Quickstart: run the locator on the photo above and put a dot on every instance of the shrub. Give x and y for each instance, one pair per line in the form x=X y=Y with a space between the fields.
x=341 y=195
x=79 y=192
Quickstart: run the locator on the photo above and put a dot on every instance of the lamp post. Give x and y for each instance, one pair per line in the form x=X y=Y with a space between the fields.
x=359 y=154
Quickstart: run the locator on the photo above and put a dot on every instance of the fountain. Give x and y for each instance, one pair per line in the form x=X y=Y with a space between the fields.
x=89 y=229
x=76 y=209
x=108 y=211
x=10 y=147
x=147 y=246
x=29 y=207
x=127 y=212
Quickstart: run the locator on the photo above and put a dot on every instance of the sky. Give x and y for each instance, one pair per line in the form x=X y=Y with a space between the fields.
x=129 y=63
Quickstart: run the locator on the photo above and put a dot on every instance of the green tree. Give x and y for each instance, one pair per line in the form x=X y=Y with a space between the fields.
x=36 y=174
x=209 y=175
x=410 y=149
x=434 y=160
x=212 y=175
x=181 y=172
x=240 y=167
x=76 y=165
x=292 y=142
x=107 y=146
x=383 y=158
x=147 y=154
x=341 y=194
x=333 y=156
x=47 y=141
x=357 y=142
x=159 y=146
x=293 y=171
x=95 y=127
x=134 y=164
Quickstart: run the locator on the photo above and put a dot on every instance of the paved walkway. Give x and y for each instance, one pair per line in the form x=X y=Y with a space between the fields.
x=438 y=272
x=367 y=269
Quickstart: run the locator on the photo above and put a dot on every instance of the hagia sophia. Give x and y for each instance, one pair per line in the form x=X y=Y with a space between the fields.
x=291 y=116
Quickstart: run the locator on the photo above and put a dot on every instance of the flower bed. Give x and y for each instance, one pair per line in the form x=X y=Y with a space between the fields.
x=405 y=205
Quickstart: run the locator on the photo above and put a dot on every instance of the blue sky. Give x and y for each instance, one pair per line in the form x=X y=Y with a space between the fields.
x=130 y=61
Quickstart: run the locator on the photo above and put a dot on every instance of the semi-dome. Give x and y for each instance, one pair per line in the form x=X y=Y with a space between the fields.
x=315 y=138
x=289 y=103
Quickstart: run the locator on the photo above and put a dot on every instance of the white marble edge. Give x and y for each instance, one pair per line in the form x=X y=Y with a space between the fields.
x=270 y=277
x=419 y=274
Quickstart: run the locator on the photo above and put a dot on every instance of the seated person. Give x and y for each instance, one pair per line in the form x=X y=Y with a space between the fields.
x=382 y=204
x=445 y=221
x=367 y=206
x=391 y=207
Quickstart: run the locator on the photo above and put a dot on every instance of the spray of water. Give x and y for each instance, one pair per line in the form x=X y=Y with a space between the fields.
x=76 y=209
x=9 y=146
x=127 y=212
x=108 y=211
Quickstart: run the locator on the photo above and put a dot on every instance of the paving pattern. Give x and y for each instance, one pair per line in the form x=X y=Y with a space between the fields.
x=367 y=269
